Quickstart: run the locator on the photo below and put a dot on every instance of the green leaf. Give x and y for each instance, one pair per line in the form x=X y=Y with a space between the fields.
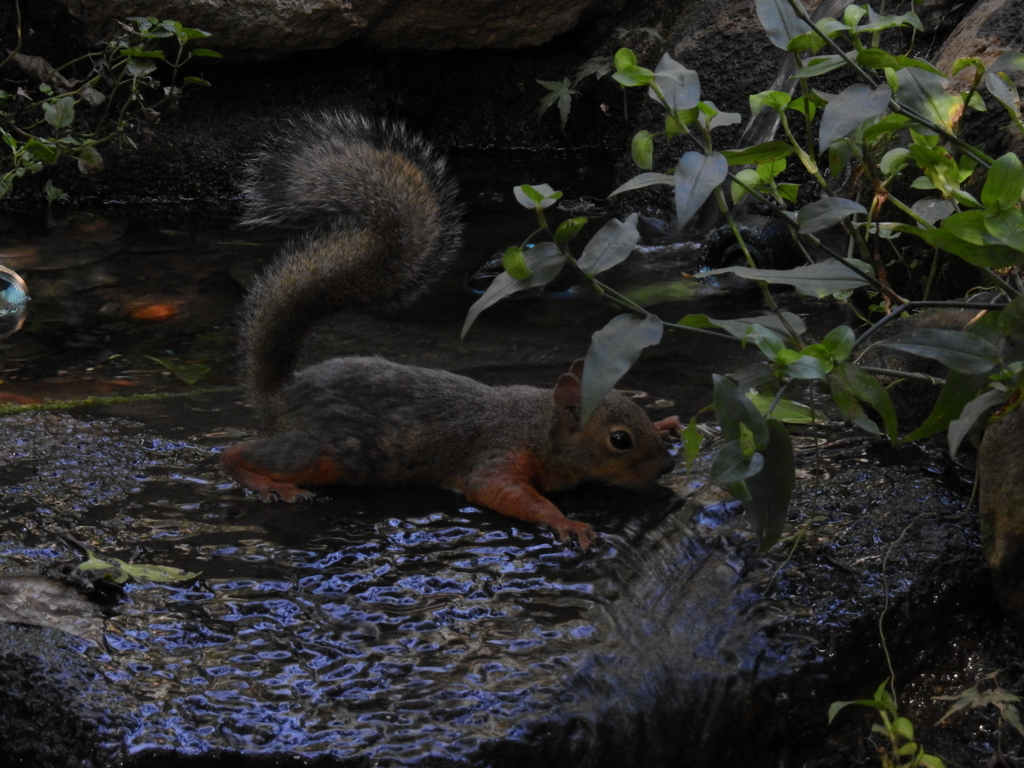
x=838 y=706
x=876 y=58
x=923 y=92
x=545 y=261
x=190 y=80
x=515 y=264
x=959 y=389
x=60 y=113
x=823 y=213
x=561 y=94
x=850 y=109
x=930 y=761
x=696 y=177
x=776 y=100
x=90 y=160
x=45 y=151
x=789 y=192
x=119 y=571
x=779 y=21
x=733 y=408
x=821 y=279
x=680 y=86
x=771 y=489
x=610 y=246
x=206 y=52
x=642 y=149
x=957 y=350
x=971 y=414
x=1004 y=183
x=1004 y=91
x=903 y=728
x=887 y=125
x=761 y=153
x=730 y=466
x=751 y=178
x=644 y=180
x=568 y=229
x=787 y=411
x=190 y=373
x=769 y=342
x=536 y=196
x=849 y=385
x=820 y=65
x=1007 y=226
x=966 y=235
x=624 y=57
x=1011 y=319
x=613 y=350
x=740 y=327
x=632 y=76
x=839 y=343
x=894 y=160
x=807 y=367
x=92 y=96
x=805 y=106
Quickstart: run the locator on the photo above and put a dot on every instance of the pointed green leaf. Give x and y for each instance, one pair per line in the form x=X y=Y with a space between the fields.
x=761 y=153
x=821 y=279
x=971 y=414
x=957 y=350
x=679 y=85
x=696 y=177
x=923 y=92
x=850 y=109
x=545 y=261
x=823 y=213
x=771 y=488
x=731 y=466
x=612 y=353
x=733 y=408
x=1004 y=183
x=644 y=180
x=568 y=229
x=611 y=245
x=779 y=21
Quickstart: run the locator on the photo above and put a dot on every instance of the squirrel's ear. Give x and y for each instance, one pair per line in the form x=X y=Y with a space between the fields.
x=577 y=369
x=567 y=392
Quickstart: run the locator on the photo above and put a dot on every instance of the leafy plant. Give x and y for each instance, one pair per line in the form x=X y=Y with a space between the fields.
x=560 y=92
x=987 y=693
x=897 y=122
x=902 y=750
x=73 y=110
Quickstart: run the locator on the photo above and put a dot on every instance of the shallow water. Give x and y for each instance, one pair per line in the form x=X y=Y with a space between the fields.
x=393 y=625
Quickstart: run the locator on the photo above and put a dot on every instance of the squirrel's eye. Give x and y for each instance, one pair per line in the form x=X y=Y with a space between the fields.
x=620 y=440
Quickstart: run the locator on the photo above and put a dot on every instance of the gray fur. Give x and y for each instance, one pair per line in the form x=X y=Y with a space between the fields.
x=383 y=221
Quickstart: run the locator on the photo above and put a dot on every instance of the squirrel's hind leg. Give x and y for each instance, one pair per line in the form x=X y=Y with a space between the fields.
x=276 y=466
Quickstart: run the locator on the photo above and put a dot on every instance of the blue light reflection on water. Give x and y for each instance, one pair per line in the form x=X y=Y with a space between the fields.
x=396 y=645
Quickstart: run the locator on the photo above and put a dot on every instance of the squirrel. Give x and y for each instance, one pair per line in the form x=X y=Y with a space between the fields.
x=382 y=221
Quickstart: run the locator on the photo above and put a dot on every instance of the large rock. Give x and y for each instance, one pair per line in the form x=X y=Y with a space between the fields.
x=1001 y=475
x=263 y=29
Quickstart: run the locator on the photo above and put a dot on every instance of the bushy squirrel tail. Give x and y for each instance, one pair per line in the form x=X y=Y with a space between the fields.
x=382 y=222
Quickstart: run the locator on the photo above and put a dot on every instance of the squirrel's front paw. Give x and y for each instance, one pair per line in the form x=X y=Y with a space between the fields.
x=287 y=492
x=584 y=534
x=669 y=427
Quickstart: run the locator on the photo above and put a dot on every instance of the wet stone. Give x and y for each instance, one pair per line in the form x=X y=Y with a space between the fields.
x=403 y=627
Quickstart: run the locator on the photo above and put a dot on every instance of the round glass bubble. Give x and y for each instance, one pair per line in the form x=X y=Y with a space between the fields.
x=14 y=300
